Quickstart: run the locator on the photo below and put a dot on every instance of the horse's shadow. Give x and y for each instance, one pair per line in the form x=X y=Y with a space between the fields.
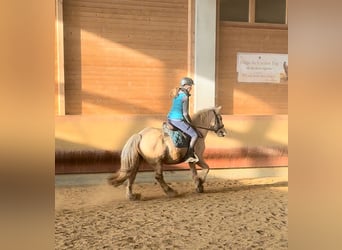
x=241 y=187
x=209 y=188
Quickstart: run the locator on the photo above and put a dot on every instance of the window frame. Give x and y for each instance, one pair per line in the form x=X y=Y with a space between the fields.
x=251 y=18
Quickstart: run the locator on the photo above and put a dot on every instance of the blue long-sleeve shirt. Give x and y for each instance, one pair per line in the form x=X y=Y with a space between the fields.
x=180 y=107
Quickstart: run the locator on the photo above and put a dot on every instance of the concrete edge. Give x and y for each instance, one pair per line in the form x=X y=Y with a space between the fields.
x=70 y=180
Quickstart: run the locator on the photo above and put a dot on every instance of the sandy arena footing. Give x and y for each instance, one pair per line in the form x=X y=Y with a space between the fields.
x=232 y=213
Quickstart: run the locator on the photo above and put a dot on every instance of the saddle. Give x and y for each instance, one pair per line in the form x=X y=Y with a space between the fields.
x=179 y=139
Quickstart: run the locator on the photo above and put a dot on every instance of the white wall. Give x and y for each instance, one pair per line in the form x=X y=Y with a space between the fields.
x=205 y=44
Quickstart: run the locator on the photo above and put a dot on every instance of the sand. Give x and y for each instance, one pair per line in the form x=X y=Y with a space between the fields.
x=230 y=214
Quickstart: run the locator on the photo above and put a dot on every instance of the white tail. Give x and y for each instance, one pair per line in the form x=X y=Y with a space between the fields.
x=130 y=161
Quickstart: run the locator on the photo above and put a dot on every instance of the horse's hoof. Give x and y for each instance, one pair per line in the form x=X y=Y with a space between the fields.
x=134 y=197
x=200 y=189
x=172 y=193
x=199 y=185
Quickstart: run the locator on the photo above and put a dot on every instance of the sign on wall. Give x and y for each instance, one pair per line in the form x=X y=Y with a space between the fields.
x=262 y=67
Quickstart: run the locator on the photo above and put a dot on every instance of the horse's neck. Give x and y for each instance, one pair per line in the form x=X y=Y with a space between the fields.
x=204 y=123
x=203 y=132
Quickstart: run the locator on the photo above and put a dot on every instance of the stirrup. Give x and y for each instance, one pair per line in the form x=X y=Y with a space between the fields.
x=193 y=158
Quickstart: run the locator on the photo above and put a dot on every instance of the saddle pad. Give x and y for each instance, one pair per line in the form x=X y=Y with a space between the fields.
x=179 y=139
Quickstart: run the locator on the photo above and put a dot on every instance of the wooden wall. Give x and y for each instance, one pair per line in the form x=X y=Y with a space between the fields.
x=249 y=98
x=123 y=57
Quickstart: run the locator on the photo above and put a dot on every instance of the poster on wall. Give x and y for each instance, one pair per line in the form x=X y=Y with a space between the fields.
x=262 y=68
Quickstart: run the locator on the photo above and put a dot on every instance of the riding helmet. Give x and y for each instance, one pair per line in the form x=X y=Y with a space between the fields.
x=186 y=81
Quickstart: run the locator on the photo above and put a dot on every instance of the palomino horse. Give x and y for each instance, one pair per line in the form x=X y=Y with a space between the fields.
x=156 y=148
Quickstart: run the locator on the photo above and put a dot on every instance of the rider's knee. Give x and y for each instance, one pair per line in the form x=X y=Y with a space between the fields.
x=195 y=136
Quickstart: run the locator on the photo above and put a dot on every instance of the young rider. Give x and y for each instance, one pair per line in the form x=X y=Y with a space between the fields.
x=179 y=116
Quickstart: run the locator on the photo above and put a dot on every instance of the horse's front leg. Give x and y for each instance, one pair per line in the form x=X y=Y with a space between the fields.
x=205 y=168
x=199 y=180
x=201 y=162
x=195 y=178
x=160 y=178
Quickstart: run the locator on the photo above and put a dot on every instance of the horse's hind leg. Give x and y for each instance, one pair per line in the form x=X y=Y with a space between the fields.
x=129 y=191
x=160 y=178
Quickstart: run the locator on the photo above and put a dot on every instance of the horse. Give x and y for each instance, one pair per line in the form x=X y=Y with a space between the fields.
x=154 y=147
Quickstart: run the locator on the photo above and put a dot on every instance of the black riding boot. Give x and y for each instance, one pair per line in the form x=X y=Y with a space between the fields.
x=192 y=157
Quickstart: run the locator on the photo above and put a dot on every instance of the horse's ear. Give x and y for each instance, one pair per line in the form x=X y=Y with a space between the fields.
x=218 y=108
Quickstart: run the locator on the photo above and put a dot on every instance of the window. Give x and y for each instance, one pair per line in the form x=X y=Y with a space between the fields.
x=234 y=10
x=254 y=11
x=270 y=11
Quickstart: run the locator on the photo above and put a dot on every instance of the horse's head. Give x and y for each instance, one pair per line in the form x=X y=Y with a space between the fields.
x=217 y=123
x=211 y=120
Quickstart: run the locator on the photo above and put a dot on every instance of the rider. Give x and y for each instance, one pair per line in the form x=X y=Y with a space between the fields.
x=179 y=114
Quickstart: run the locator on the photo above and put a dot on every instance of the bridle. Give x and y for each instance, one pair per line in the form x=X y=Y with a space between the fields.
x=218 y=125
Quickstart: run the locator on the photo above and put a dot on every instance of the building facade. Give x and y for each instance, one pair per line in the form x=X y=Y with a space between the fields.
x=116 y=62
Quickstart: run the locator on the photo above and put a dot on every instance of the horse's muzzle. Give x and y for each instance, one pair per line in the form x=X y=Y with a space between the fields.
x=221 y=132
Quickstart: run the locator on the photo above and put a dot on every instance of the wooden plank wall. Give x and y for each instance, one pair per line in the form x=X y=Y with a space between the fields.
x=254 y=98
x=123 y=57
